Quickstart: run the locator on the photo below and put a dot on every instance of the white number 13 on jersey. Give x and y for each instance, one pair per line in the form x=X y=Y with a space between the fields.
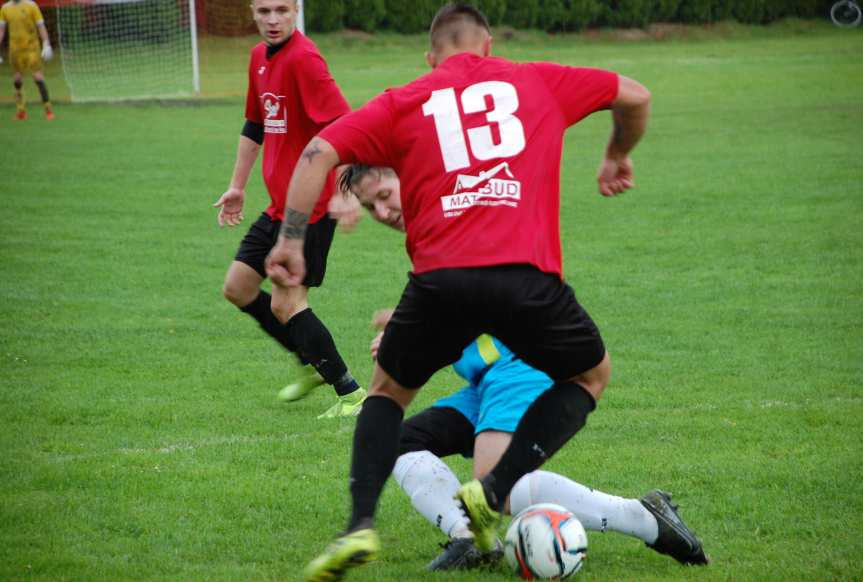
x=450 y=132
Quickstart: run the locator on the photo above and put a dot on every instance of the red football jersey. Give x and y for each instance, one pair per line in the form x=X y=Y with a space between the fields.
x=293 y=95
x=477 y=145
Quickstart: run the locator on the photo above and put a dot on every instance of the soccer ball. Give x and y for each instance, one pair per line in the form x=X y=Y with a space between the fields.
x=545 y=542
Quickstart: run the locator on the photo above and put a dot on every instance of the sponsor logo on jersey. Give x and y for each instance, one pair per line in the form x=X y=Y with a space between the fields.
x=262 y=69
x=275 y=114
x=494 y=187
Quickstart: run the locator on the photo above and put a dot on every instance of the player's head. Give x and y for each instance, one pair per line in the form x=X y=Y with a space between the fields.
x=378 y=190
x=276 y=19
x=457 y=28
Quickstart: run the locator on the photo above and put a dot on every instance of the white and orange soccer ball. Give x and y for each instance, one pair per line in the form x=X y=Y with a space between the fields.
x=545 y=542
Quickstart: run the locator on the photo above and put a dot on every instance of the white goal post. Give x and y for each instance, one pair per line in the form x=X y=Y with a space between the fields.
x=116 y=50
x=301 y=23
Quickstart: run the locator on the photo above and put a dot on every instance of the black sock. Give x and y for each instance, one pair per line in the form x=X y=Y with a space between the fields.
x=316 y=346
x=547 y=425
x=43 y=91
x=260 y=309
x=376 y=448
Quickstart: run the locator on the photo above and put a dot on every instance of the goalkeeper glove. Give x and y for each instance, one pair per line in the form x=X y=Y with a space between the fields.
x=47 y=53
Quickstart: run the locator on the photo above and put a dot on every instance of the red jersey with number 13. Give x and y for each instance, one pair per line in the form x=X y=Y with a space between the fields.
x=477 y=145
x=293 y=95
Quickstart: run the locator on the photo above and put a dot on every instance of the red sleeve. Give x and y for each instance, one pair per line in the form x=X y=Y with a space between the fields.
x=322 y=99
x=579 y=91
x=363 y=135
x=253 y=106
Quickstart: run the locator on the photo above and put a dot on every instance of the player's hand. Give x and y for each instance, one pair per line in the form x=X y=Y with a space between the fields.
x=346 y=210
x=230 y=206
x=615 y=176
x=286 y=265
x=376 y=345
x=47 y=53
x=1 y=59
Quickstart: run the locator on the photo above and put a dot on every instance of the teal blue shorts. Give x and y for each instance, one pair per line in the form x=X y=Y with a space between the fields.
x=499 y=399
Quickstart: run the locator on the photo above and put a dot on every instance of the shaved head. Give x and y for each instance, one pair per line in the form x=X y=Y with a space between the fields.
x=458 y=25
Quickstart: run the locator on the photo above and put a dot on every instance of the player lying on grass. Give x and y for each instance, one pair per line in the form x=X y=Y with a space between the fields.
x=478 y=421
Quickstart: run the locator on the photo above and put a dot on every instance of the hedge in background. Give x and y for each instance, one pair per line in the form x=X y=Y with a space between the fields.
x=364 y=14
x=414 y=16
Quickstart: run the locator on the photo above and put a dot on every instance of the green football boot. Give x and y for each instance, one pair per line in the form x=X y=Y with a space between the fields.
x=349 y=551
x=346 y=406
x=308 y=381
x=483 y=519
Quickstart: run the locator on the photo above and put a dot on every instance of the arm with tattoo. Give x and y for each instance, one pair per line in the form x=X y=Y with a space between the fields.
x=310 y=175
x=294 y=225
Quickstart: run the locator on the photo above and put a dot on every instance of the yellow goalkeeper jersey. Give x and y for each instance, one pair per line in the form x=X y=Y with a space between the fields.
x=21 y=19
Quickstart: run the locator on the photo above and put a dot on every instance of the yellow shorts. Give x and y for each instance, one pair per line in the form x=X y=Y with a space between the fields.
x=24 y=60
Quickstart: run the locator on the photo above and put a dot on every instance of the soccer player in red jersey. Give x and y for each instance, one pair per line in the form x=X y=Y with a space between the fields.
x=478 y=421
x=291 y=97
x=477 y=145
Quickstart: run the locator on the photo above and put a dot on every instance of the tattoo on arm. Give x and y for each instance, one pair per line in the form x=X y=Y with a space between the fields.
x=311 y=150
x=294 y=225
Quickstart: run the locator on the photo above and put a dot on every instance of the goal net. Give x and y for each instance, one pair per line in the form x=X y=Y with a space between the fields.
x=128 y=49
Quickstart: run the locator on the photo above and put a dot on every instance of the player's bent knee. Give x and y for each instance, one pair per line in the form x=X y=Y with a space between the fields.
x=596 y=379
x=234 y=295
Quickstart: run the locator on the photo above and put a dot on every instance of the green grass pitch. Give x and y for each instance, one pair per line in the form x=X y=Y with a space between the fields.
x=140 y=436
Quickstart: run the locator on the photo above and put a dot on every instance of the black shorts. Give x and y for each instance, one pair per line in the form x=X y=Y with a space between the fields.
x=264 y=233
x=441 y=430
x=534 y=314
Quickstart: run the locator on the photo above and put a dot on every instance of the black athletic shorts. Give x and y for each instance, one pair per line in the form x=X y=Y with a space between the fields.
x=264 y=233
x=441 y=430
x=534 y=314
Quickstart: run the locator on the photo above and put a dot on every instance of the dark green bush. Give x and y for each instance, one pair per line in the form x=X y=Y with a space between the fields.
x=494 y=10
x=583 y=13
x=414 y=16
x=324 y=15
x=411 y=16
x=521 y=13
x=628 y=13
x=665 y=10
x=553 y=15
x=749 y=11
x=364 y=14
x=695 y=11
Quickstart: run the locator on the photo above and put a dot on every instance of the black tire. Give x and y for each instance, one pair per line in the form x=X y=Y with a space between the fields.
x=846 y=14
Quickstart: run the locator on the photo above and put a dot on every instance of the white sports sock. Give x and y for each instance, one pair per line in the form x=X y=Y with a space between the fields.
x=432 y=486
x=595 y=510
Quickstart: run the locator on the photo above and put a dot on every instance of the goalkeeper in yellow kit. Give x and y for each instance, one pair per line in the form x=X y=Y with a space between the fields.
x=26 y=27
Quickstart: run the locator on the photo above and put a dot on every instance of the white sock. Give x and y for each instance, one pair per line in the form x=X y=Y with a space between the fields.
x=432 y=485
x=595 y=510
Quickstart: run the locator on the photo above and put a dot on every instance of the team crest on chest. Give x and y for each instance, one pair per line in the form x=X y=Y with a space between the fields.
x=275 y=113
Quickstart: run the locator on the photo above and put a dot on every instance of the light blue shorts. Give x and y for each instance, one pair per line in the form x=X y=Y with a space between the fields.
x=500 y=398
